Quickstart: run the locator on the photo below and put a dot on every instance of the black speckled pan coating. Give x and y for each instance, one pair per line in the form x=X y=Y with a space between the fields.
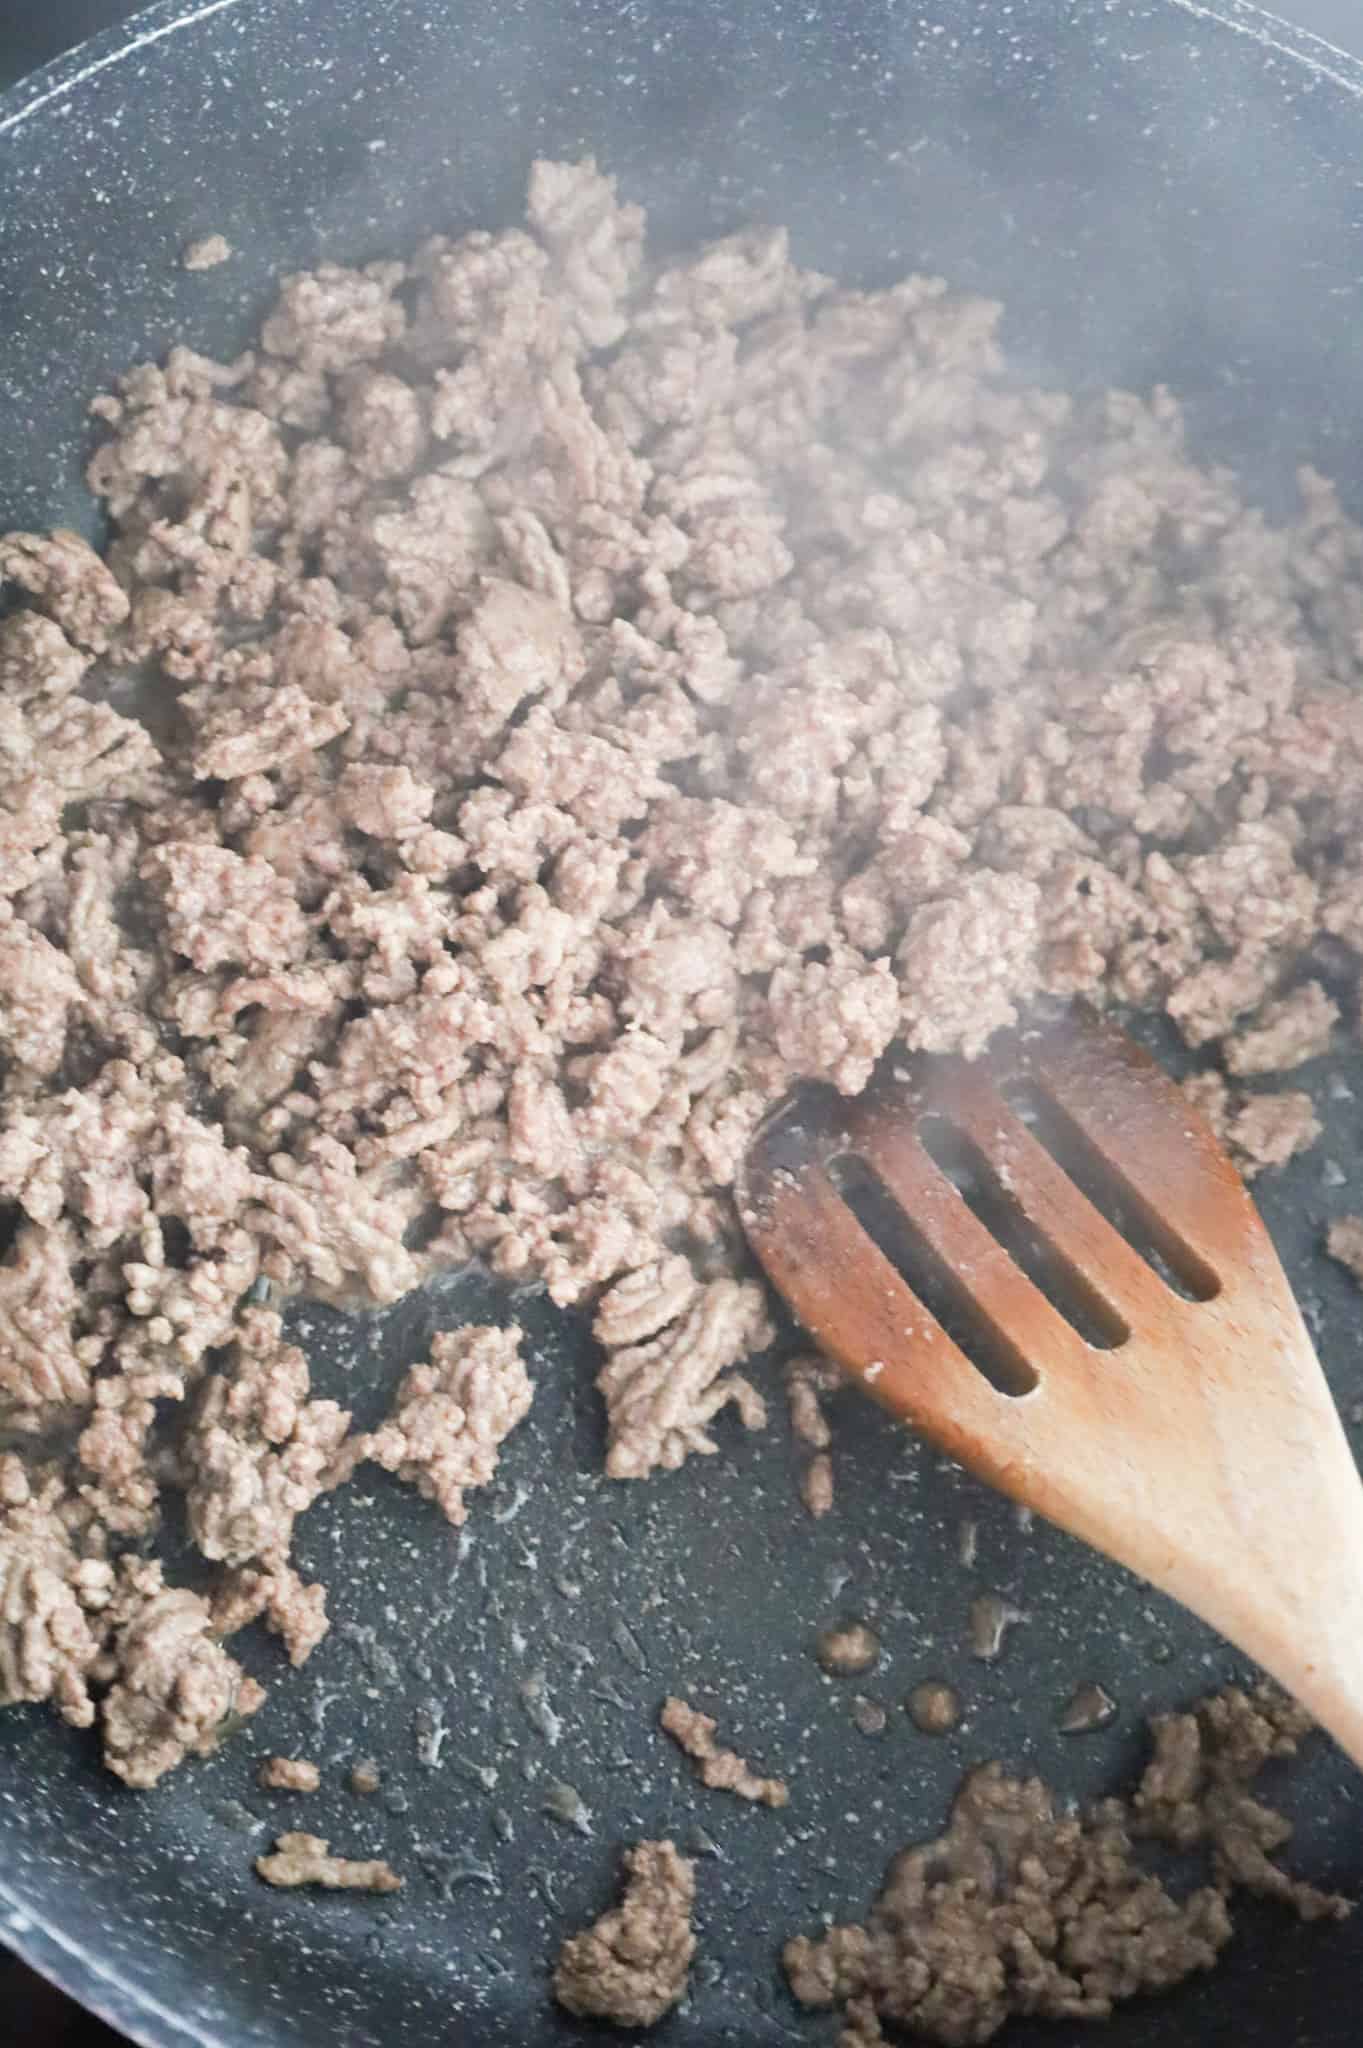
x=1158 y=193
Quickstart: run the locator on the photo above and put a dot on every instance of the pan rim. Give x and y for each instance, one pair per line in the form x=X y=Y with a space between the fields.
x=32 y=1935
x=1283 y=38
x=37 y=1940
x=53 y=83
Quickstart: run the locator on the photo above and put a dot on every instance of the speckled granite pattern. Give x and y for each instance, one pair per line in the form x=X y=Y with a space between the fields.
x=1002 y=147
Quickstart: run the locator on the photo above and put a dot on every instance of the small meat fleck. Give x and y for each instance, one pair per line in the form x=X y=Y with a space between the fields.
x=1022 y=1907
x=1344 y=1242
x=934 y=1707
x=721 y=1769
x=847 y=1649
x=1089 y=1706
x=207 y=253
x=808 y=1379
x=868 y=1716
x=288 y=1774
x=816 y=1485
x=991 y=1617
x=307 y=1860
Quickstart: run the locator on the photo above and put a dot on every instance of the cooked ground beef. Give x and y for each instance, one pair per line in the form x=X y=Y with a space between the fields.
x=807 y=1380
x=288 y=1774
x=1195 y=1791
x=631 y=1966
x=723 y=1770
x=1021 y=1908
x=52 y=1602
x=848 y=1648
x=451 y=1415
x=816 y=1485
x=1344 y=1241
x=934 y=1707
x=175 y=1690
x=604 y=691
x=207 y=253
x=257 y=1451
x=307 y=1860
x=1296 y=1028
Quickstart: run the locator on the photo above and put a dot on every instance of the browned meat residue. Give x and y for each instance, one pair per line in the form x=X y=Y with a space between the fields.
x=934 y=1707
x=288 y=1774
x=307 y=1860
x=631 y=1966
x=847 y=1649
x=1019 y=1908
x=808 y=1379
x=721 y=1769
x=1344 y=1242
x=207 y=253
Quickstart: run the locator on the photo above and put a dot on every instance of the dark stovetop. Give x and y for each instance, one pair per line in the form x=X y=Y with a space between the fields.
x=42 y=2018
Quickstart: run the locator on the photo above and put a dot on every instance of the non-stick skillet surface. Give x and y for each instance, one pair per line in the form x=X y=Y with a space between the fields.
x=1158 y=194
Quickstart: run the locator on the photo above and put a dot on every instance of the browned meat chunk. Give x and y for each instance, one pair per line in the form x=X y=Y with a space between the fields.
x=175 y=1689
x=307 y=1860
x=68 y=580
x=1344 y=1241
x=51 y=1602
x=452 y=1415
x=288 y=1774
x=723 y=1770
x=631 y=1966
x=1020 y=1908
x=258 y=1451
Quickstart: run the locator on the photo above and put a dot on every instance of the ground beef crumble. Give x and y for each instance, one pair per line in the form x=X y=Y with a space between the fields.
x=206 y=253
x=1021 y=1908
x=631 y=1966
x=723 y=1770
x=808 y=1379
x=257 y=1451
x=582 y=695
x=288 y=1774
x=175 y=1690
x=451 y=1415
x=299 y=1859
x=1344 y=1242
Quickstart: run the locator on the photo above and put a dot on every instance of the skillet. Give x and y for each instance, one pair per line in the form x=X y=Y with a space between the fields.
x=1160 y=190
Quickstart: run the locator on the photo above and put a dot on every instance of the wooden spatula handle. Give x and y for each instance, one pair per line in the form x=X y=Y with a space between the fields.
x=1285 y=1584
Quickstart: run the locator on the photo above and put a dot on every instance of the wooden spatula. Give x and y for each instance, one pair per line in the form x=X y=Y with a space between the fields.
x=1171 y=1411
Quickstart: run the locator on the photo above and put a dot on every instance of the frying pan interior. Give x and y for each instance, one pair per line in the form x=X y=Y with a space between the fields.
x=1160 y=192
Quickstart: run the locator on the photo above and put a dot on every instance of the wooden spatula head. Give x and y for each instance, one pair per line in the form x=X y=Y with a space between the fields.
x=1098 y=1324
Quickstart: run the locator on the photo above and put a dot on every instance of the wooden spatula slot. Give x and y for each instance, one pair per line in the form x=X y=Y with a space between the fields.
x=1148 y=1235
x=922 y=1234
x=984 y=1191
x=941 y=1289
